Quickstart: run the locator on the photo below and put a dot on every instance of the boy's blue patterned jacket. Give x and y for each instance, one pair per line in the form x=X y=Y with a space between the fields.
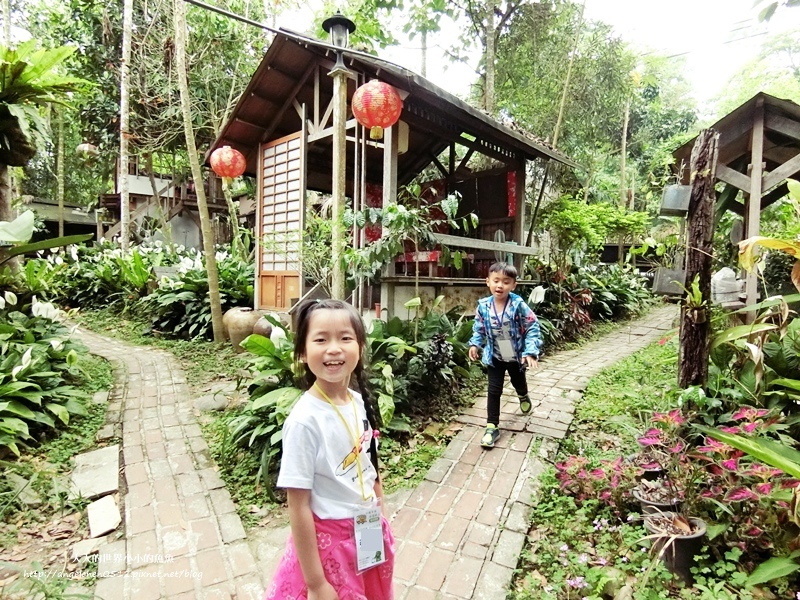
x=526 y=336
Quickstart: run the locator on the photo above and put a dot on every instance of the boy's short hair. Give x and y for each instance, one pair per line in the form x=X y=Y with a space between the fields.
x=504 y=268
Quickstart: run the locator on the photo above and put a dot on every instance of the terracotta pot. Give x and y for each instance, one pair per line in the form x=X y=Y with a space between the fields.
x=678 y=551
x=652 y=507
x=238 y=323
x=262 y=327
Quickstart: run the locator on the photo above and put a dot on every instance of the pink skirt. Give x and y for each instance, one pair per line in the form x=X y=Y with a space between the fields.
x=337 y=550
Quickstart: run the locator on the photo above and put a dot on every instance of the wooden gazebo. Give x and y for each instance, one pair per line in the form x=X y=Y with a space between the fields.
x=759 y=149
x=283 y=125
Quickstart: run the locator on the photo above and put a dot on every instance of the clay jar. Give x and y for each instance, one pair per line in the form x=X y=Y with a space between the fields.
x=263 y=327
x=238 y=323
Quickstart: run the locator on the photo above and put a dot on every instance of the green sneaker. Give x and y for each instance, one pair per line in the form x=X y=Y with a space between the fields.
x=525 y=404
x=491 y=436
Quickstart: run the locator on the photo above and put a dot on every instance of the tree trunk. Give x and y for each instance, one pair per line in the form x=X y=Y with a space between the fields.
x=489 y=57
x=6 y=26
x=197 y=174
x=695 y=325
x=557 y=128
x=124 y=124
x=424 y=71
x=60 y=171
x=623 y=188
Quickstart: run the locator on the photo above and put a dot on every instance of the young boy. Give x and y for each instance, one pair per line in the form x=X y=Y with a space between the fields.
x=509 y=333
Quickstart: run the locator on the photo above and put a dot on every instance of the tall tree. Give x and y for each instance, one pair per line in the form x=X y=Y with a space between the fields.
x=424 y=17
x=209 y=249
x=124 y=120
x=487 y=19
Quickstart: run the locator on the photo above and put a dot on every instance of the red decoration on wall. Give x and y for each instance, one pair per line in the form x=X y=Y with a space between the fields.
x=376 y=105
x=511 y=184
x=374 y=199
x=227 y=162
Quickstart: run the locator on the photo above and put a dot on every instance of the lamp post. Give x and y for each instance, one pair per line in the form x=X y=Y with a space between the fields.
x=339 y=28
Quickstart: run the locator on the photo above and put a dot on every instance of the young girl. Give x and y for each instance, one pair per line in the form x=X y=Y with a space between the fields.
x=341 y=547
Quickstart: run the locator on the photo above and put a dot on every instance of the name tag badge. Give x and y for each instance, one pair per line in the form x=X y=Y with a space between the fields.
x=369 y=538
x=506 y=349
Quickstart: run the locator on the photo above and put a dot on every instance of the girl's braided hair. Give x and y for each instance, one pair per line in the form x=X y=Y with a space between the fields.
x=306 y=378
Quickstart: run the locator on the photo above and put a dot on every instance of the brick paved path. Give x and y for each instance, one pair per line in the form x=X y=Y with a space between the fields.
x=459 y=533
x=174 y=502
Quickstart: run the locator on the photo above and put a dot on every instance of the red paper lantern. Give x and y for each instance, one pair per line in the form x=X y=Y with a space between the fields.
x=228 y=162
x=377 y=105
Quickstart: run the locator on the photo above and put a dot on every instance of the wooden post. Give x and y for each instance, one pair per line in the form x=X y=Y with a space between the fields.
x=753 y=216
x=339 y=74
x=390 y=144
x=695 y=326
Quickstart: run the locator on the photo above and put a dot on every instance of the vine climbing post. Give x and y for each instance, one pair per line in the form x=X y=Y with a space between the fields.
x=695 y=306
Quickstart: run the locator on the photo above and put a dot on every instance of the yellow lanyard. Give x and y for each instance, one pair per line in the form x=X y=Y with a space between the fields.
x=356 y=438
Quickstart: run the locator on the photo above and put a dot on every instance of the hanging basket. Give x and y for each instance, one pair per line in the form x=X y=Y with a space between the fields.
x=675 y=201
x=665 y=281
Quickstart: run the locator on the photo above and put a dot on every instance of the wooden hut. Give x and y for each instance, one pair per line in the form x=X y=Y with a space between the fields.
x=283 y=126
x=759 y=149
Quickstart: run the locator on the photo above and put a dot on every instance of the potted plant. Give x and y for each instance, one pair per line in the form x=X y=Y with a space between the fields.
x=665 y=255
x=677 y=538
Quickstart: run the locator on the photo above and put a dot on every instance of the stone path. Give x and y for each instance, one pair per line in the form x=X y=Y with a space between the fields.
x=182 y=537
x=459 y=533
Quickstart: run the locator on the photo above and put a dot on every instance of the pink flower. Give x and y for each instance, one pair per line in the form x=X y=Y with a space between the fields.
x=730 y=429
x=598 y=473
x=750 y=427
x=740 y=494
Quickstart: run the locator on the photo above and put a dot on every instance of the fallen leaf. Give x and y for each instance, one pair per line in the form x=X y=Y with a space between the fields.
x=681 y=523
x=410 y=473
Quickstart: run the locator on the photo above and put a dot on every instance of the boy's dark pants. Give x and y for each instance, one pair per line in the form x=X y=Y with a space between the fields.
x=497 y=372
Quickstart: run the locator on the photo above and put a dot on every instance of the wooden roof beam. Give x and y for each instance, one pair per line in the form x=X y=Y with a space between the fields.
x=786 y=170
x=734 y=178
x=288 y=102
x=787 y=127
x=775 y=195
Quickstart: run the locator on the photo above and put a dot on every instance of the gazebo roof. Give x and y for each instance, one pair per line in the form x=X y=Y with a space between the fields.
x=780 y=121
x=270 y=109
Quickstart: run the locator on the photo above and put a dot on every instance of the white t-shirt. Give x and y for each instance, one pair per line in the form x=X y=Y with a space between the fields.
x=319 y=454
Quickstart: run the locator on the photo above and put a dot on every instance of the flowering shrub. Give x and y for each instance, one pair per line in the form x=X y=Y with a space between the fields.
x=610 y=482
x=750 y=500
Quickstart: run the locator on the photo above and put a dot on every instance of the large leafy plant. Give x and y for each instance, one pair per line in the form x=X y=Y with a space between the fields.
x=272 y=395
x=29 y=80
x=180 y=306
x=37 y=369
x=757 y=364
